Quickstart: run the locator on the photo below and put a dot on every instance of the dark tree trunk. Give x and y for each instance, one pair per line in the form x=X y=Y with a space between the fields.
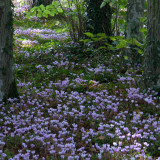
x=39 y=2
x=152 y=54
x=7 y=81
x=98 y=19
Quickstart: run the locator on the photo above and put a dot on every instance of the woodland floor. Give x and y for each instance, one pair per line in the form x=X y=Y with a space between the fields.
x=75 y=104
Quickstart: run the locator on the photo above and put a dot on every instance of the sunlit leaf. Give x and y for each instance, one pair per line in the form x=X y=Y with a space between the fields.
x=89 y=34
x=126 y=57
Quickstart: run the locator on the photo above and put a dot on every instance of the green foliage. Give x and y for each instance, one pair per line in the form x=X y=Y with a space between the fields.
x=102 y=140
x=94 y=50
x=97 y=38
x=98 y=19
x=12 y=143
x=42 y=11
x=107 y=1
x=118 y=42
x=8 y=153
x=72 y=13
x=153 y=150
x=123 y=3
x=118 y=14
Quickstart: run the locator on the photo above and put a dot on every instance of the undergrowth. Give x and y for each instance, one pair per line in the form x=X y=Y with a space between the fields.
x=76 y=102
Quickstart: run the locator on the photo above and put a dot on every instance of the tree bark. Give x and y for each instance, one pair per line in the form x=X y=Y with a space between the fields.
x=7 y=81
x=39 y=2
x=152 y=54
x=135 y=10
x=98 y=19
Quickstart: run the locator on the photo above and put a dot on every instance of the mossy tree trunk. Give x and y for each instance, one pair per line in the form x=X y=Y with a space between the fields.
x=135 y=10
x=7 y=81
x=152 y=54
x=98 y=19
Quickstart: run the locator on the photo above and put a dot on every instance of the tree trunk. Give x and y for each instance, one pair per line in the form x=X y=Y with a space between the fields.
x=39 y=2
x=98 y=19
x=7 y=81
x=152 y=54
x=135 y=10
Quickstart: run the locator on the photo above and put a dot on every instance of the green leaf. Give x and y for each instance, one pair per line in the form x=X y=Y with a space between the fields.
x=33 y=13
x=50 y=7
x=47 y=12
x=64 y=29
x=143 y=19
x=45 y=15
x=112 y=3
x=122 y=44
x=126 y=57
x=86 y=40
x=140 y=51
x=112 y=38
x=89 y=34
x=103 y=35
x=119 y=37
x=54 y=3
x=60 y=10
x=103 y=4
x=42 y=7
x=52 y=14
x=95 y=39
x=39 y=9
x=28 y=15
x=33 y=9
x=108 y=1
x=102 y=47
x=143 y=30
x=39 y=15
x=57 y=23
x=58 y=30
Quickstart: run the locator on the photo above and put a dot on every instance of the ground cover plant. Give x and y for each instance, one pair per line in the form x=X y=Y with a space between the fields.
x=76 y=102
